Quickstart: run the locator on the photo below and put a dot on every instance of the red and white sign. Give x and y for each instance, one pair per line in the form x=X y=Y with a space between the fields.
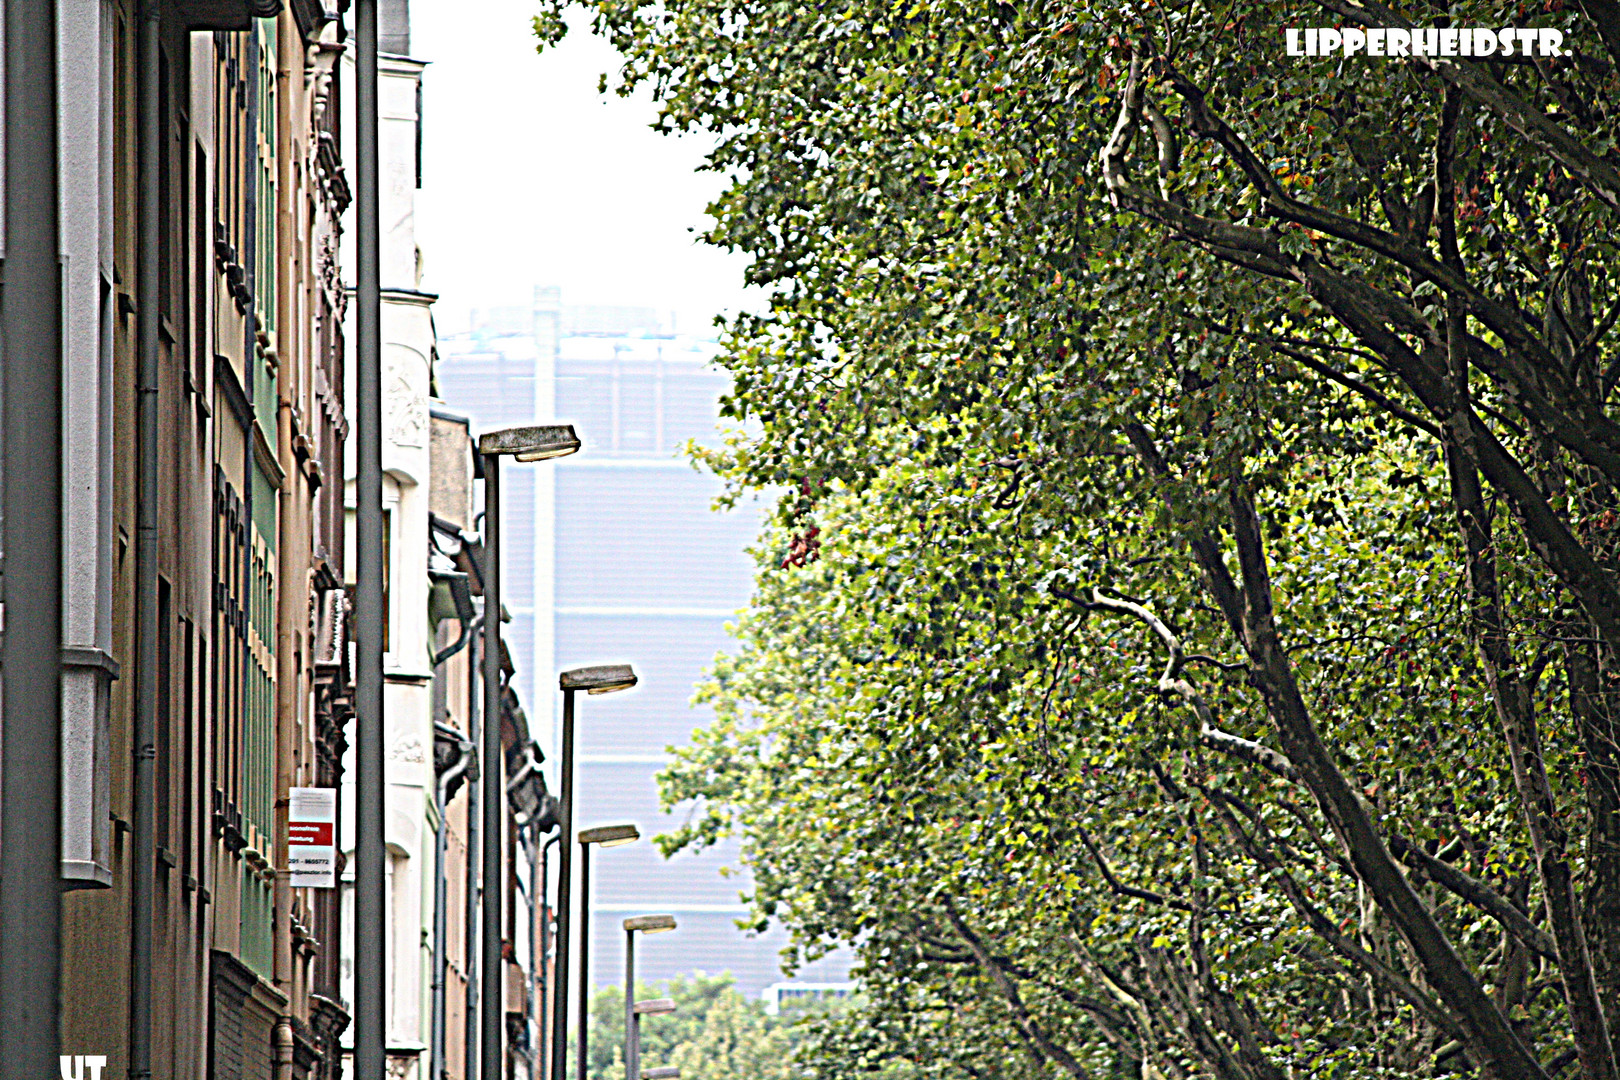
x=312 y=838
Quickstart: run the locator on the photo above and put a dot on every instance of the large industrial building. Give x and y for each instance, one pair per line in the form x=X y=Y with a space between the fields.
x=615 y=554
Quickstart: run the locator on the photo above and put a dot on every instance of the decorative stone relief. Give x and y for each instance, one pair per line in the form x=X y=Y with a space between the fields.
x=405 y=401
x=408 y=748
x=319 y=60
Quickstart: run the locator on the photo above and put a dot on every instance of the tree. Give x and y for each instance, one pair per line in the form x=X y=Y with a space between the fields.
x=715 y=1032
x=1186 y=646
x=738 y=1042
x=660 y=1035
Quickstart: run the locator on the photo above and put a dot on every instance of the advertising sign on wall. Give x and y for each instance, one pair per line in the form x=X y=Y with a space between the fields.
x=312 y=837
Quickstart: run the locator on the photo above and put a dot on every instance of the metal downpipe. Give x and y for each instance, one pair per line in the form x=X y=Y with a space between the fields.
x=474 y=857
x=565 y=870
x=370 y=1019
x=283 y=1046
x=440 y=915
x=492 y=1021
x=292 y=562
x=143 y=853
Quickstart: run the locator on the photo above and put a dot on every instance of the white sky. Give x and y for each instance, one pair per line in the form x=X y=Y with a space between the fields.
x=530 y=177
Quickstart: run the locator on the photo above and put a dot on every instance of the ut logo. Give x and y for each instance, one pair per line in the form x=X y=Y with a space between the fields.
x=74 y=1066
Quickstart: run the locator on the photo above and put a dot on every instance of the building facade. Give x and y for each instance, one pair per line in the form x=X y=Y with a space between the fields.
x=433 y=600
x=407 y=372
x=206 y=139
x=221 y=115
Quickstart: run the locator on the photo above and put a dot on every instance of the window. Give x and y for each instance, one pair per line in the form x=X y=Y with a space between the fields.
x=351 y=557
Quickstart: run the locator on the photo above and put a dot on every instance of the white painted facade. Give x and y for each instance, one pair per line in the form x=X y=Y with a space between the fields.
x=408 y=350
x=84 y=75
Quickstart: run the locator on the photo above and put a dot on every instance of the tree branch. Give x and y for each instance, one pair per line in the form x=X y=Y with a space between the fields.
x=1026 y=1023
x=1119 y=886
x=1493 y=1041
x=1324 y=927
x=1593 y=172
x=1477 y=893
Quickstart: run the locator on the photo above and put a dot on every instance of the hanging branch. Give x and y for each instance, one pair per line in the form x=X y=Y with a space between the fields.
x=1039 y=1040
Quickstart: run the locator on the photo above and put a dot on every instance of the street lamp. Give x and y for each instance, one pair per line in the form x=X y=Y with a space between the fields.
x=370 y=823
x=602 y=679
x=593 y=680
x=633 y=1010
x=536 y=443
x=607 y=836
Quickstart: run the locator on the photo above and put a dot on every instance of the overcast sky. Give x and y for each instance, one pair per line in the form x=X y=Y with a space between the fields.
x=530 y=177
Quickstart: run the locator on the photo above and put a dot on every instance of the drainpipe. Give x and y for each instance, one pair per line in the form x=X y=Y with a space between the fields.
x=543 y=999
x=474 y=860
x=284 y=1046
x=459 y=589
x=440 y=916
x=292 y=569
x=537 y=850
x=288 y=598
x=143 y=854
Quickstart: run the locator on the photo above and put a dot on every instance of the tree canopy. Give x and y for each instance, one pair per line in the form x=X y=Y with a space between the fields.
x=1186 y=642
x=715 y=1033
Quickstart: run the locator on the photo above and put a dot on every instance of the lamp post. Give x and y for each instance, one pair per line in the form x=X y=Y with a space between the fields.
x=607 y=836
x=525 y=444
x=647 y=924
x=370 y=857
x=593 y=680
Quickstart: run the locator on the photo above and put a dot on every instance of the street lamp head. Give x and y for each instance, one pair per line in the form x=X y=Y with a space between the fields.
x=536 y=443
x=602 y=679
x=649 y=924
x=610 y=835
x=655 y=1007
x=663 y=1072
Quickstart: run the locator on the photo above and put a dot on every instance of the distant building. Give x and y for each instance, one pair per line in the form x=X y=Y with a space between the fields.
x=616 y=555
x=778 y=994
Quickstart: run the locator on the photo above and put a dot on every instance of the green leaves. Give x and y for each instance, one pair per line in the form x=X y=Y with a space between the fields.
x=715 y=1032
x=987 y=384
